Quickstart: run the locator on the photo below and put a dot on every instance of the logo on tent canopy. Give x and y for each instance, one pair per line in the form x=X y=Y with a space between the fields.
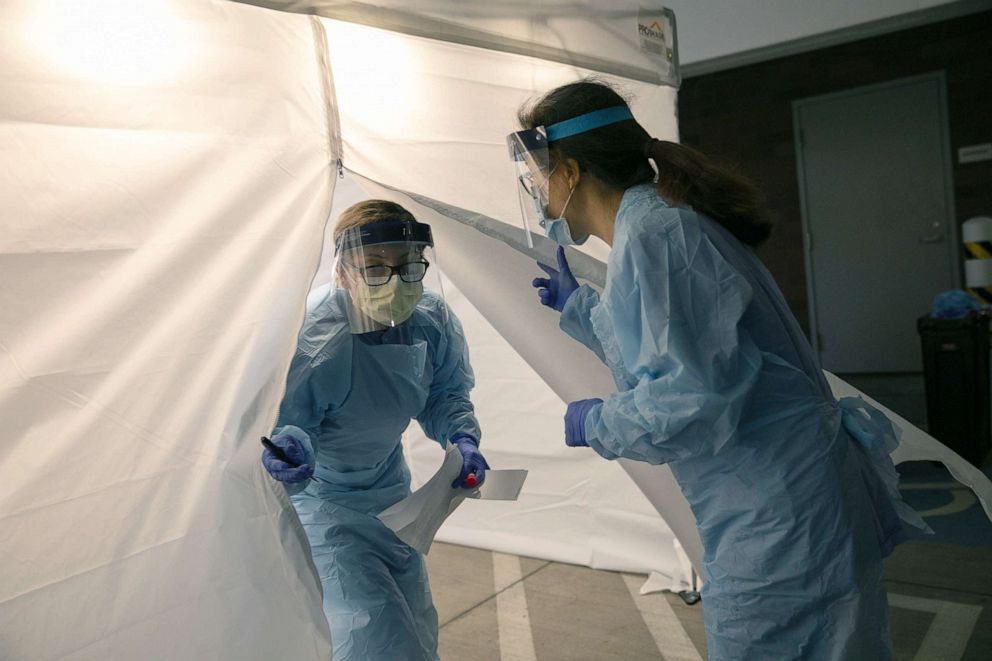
x=652 y=34
x=654 y=30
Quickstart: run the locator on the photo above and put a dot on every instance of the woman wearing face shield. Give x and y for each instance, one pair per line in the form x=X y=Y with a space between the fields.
x=794 y=493
x=376 y=350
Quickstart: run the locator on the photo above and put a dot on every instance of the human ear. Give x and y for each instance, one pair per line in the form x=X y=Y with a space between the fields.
x=572 y=172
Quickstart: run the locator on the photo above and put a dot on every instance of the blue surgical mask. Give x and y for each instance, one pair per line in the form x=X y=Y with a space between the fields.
x=557 y=229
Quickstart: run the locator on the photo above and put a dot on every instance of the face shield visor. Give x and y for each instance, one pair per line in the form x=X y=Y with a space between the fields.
x=384 y=271
x=530 y=153
x=531 y=160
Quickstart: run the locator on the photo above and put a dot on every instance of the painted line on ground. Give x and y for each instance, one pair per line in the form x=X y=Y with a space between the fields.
x=949 y=632
x=669 y=635
x=516 y=640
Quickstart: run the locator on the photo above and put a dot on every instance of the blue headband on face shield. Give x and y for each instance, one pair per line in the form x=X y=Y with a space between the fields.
x=588 y=122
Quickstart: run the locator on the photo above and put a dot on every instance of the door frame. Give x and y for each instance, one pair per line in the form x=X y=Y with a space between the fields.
x=953 y=252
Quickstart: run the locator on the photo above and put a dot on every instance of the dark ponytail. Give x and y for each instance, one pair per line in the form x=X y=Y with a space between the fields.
x=688 y=178
x=617 y=155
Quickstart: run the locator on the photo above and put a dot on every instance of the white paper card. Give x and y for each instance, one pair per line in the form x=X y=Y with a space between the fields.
x=416 y=518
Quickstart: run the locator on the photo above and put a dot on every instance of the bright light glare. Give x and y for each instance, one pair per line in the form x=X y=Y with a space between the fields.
x=375 y=75
x=112 y=41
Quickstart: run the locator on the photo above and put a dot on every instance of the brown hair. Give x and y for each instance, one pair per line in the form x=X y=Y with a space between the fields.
x=617 y=154
x=370 y=211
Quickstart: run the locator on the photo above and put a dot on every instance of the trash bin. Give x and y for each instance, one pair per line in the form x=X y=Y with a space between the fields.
x=956 y=373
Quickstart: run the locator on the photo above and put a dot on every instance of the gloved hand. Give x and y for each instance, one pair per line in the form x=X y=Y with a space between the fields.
x=294 y=450
x=575 y=422
x=472 y=461
x=555 y=289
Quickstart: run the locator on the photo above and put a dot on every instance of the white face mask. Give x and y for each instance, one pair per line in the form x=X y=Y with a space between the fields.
x=557 y=229
x=391 y=303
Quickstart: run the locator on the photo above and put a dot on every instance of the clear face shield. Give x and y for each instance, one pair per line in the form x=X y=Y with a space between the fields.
x=531 y=159
x=384 y=271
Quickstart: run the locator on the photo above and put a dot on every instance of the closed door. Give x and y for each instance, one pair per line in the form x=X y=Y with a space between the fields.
x=874 y=173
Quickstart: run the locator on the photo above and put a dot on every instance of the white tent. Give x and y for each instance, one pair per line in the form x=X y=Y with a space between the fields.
x=167 y=172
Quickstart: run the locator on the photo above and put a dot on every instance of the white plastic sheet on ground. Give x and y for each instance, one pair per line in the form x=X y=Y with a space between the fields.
x=917 y=445
x=165 y=176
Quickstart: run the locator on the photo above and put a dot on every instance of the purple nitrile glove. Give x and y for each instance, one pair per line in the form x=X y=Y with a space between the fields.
x=296 y=471
x=472 y=461
x=575 y=422
x=554 y=290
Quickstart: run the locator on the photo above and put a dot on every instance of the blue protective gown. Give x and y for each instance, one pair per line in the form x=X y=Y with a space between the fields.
x=793 y=492
x=354 y=395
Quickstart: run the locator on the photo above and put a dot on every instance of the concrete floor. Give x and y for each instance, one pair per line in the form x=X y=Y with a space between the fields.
x=493 y=606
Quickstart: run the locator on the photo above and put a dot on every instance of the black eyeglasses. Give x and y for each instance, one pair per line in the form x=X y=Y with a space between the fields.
x=527 y=181
x=533 y=189
x=380 y=274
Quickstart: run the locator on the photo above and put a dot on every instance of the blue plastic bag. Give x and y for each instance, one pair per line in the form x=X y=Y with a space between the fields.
x=954 y=304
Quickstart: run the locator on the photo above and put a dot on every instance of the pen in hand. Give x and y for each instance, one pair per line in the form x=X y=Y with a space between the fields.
x=280 y=455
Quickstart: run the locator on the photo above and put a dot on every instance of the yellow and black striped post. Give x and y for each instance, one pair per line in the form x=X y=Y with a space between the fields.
x=976 y=233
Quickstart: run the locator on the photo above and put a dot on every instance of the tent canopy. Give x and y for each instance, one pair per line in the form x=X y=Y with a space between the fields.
x=634 y=40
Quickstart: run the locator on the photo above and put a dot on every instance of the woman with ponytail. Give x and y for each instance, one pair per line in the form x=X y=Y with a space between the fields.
x=793 y=492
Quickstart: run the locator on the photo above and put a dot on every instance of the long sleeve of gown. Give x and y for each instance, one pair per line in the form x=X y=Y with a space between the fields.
x=449 y=408
x=673 y=308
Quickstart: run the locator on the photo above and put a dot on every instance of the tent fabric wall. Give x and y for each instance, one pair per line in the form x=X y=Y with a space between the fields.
x=458 y=103
x=166 y=176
